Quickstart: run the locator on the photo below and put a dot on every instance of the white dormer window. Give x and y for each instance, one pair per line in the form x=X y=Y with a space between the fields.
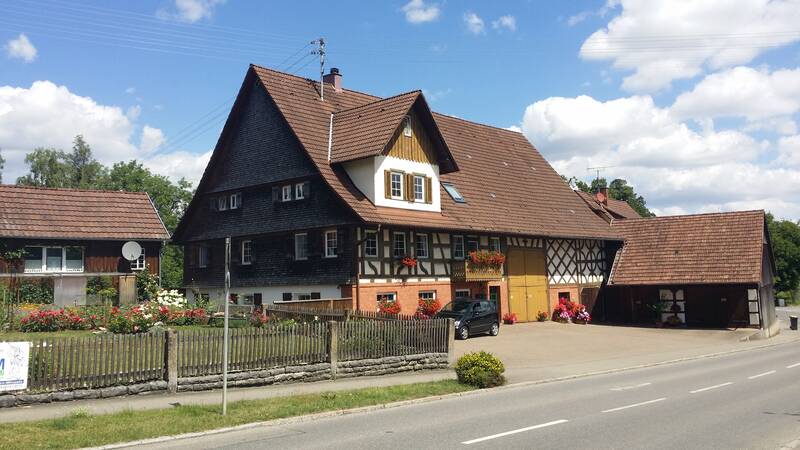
x=419 y=188
x=286 y=193
x=407 y=126
x=299 y=191
x=397 y=185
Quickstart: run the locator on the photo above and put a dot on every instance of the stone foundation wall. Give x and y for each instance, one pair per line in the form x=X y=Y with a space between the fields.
x=280 y=375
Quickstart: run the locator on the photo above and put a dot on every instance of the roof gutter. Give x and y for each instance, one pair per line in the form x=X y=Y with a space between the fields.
x=330 y=138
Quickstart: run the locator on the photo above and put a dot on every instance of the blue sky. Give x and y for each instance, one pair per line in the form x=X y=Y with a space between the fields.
x=696 y=106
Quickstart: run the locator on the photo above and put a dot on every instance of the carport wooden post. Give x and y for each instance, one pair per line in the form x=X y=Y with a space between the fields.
x=451 y=341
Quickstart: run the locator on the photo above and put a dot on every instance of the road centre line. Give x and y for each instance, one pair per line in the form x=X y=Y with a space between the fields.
x=793 y=366
x=519 y=430
x=711 y=387
x=761 y=375
x=635 y=405
x=625 y=388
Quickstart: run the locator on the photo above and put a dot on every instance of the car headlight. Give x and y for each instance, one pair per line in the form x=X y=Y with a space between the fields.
x=458 y=323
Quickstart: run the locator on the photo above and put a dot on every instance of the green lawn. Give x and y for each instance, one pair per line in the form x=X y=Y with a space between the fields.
x=83 y=430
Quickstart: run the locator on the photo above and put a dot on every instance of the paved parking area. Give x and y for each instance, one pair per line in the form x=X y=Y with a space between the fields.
x=538 y=351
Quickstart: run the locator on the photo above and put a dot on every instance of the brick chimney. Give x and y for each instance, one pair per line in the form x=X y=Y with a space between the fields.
x=602 y=195
x=334 y=78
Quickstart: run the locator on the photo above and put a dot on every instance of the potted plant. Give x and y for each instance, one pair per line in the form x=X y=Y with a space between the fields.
x=509 y=318
x=409 y=261
x=541 y=316
x=581 y=316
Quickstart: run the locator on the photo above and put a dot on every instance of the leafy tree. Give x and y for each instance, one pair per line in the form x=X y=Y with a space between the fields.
x=619 y=189
x=48 y=168
x=84 y=170
x=785 y=236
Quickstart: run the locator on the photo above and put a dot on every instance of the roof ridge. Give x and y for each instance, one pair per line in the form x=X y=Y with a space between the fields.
x=310 y=80
x=44 y=188
x=378 y=100
x=683 y=216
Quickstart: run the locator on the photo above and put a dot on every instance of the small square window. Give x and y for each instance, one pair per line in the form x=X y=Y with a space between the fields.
x=407 y=126
x=419 y=188
x=299 y=191
x=316 y=296
x=397 y=185
x=222 y=203
x=286 y=193
x=331 y=244
x=301 y=246
x=399 y=247
x=303 y=296
x=387 y=297
x=33 y=259
x=472 y=245
x=421 y=245
x=463 y=293
x=371 y=244
x=236 y=200
x=458 y=247
x=287 y=296
x=427 y=295
x=140 y=263
x=247 y=252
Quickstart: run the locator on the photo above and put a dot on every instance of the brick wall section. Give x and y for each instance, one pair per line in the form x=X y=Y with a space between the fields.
x=408 y=293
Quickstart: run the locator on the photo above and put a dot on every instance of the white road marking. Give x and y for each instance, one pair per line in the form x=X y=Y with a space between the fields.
x=711 y=387
x=635 y=405
x=625 y=388
x=520 y=430
x=793 y=366
x=761 y=375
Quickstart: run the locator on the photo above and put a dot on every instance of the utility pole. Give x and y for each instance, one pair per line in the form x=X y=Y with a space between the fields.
x=321 y=52
x=225 y=326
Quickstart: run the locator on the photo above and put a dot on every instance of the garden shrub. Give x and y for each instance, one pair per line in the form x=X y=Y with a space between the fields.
x=146 y=285
x=390 y=307
x=480 y=369
x=36 y=291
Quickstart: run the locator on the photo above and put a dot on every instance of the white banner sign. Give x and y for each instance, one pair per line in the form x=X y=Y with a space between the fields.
x=14 y=358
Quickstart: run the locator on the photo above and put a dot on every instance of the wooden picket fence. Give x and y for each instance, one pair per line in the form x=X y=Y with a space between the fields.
x=367 y=339
x=305 y=314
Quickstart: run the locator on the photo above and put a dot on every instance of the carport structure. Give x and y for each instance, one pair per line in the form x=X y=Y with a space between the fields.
x=706 y=270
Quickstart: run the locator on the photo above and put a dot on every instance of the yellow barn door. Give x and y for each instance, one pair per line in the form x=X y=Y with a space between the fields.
x=527 y=283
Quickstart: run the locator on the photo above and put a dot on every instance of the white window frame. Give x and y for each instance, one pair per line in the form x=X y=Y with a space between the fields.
x=492 y=246
x=222 y=203
x=202 y=257
x=457 y=246
x=432 y=294
x=421 y=238
x=400 y=182
x=394 y=244
x=286 y=193
x=247 y=252
x=63 y=269
x=477 y=242
x=390 y=296
x=330 y=252
x=236 y=200
x=419 y=196
x=299 y=191
x=407 y=126
x=367 y=238
x=462 y=291
x=140 y=263
x=297 y=248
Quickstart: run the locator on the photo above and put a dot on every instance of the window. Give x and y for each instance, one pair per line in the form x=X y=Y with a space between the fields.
x=286 y=193
x=33 y=259
x=419 y=188
x=494 y=244
x=371 y=244
x=399 y=248
x=472 y=245
x=300 y=246
x=427 y=295
x=407 y=126
x=303 y=296
x=246 y=299
x=387 y=297
x=331 y=244
x=247 y=252
x=421 y=245
x=53 y=259
x=202 y=257
x=139 y=264
x=222 y=203
x=458 y=247
x=299 y=191
x=451 y=189
x=316 y=296
x=287 y=296
x=462 y=293
x=236 y=200
x=397 y=185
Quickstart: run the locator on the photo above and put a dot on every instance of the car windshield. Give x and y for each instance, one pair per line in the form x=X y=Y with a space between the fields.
x=456 y=306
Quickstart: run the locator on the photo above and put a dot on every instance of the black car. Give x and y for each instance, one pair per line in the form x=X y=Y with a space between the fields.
x=472 y=317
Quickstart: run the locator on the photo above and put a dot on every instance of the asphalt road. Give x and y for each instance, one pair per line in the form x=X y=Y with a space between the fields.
x=749 y=399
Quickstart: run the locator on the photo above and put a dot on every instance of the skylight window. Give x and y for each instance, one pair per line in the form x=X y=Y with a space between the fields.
x=451 y=189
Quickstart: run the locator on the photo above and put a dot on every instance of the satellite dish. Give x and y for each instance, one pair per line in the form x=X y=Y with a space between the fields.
x=131 y=251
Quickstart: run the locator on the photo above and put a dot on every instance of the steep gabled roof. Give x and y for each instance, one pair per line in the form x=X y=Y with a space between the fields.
x=712 y=248
x=30 y=212
x=614 y=209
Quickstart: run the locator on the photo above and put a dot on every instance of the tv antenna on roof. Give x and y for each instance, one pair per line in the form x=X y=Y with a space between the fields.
x=598 y=169
x=321 y=52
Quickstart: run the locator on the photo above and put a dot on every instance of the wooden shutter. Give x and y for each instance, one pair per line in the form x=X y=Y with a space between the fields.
x=387 y=183
x=428 y=190
x=276 y=194
x=409 y=185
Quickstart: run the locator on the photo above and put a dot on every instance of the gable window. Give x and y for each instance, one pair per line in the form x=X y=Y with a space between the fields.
x=247 y=252
x=399 y=247
x=371 y=244
x=286 y=193
x=419 y=188
x=222 y=203
x=331 y=244
x=454 y=194
x=397 y=185
x=494 y=244
x=458 y=247
x=407 y=126
x=202 y=257
x=236 y=200
x=301 y=246
x=299 y=191
x=421 y=245
x=139 y=264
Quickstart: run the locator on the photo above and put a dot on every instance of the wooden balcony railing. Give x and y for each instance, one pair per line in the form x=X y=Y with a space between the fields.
x=465 y=271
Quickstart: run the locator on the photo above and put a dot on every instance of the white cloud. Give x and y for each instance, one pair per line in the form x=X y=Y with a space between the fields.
x=583 y=15
x=434 y=96
x=789 y=151
x=661 y=40
x=190 y=10
x=21 y=48
x=508 y=22
x=417 y=11
x=134 y=112
x=48 y=115
x=179 y=164
x=474 y=23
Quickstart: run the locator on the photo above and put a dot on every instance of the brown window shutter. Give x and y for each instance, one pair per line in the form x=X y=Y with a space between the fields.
x=387 y=183
x=428 y=190
x=409 y=185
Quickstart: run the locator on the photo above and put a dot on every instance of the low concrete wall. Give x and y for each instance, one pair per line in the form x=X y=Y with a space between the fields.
x=279 y=375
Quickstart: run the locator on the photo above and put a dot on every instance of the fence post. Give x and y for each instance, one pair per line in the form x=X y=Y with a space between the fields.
x=347 y=313
x=451 y=341
x=171 y=360
x=333 y=346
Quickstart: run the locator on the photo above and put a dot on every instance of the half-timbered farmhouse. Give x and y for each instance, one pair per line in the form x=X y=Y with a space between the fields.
x=70 y=236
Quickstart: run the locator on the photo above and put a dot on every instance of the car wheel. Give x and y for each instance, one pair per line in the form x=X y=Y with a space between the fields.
x=495 y=330
x=463 y=333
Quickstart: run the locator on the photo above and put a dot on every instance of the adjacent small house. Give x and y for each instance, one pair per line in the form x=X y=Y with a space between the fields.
x=71 y=237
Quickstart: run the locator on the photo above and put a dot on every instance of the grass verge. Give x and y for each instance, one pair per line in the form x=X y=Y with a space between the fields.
x=84 y=430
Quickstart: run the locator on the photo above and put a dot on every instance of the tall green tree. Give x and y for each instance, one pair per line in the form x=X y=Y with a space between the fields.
x=785 y=236
x=47 y=168
x=85 y=171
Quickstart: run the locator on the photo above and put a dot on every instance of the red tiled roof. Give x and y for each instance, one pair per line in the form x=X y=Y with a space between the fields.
x=695 y=249
x=618 y=208
x=30 y=212
x=508 y=185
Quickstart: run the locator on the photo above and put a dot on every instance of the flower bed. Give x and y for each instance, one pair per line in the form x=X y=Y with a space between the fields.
x=568 y=311
x=427 y=308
